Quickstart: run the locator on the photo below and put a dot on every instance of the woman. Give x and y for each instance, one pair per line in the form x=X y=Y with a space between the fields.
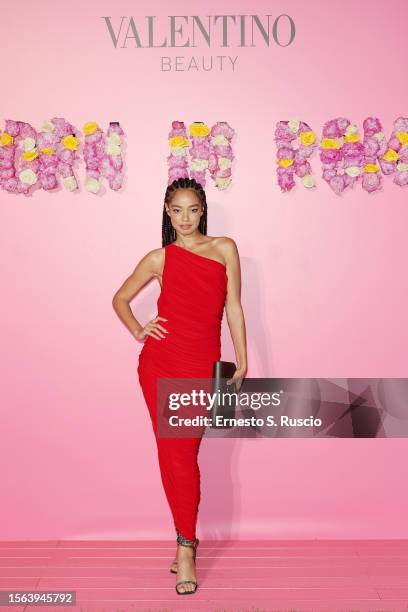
x=198 y=275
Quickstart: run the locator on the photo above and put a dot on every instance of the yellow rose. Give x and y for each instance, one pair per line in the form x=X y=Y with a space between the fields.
x=90 y=128
x=391 y=155
x=47 y=151
x=308 y=181
x=352 y=138
x=28 y=177
x=402 y=137
x=371 y=168
x=330 y=143
x=307 y=138
x=71 y=142
x=199 y=129
x=30 y=155
x=6 y=139
x=285 y=163
x=178 y=141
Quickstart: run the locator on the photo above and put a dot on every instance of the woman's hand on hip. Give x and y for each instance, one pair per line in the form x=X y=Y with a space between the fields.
x=153 y=328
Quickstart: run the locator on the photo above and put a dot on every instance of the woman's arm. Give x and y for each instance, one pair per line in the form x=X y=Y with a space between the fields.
x=233 y=308
x=148 y=267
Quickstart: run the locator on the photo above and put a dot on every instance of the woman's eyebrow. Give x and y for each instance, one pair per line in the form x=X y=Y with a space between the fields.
x=177 y=206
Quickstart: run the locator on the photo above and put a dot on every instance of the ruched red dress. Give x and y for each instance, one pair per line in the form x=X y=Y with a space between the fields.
x=192 y=300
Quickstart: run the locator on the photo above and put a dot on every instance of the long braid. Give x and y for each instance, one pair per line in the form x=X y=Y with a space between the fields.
x=168 y=231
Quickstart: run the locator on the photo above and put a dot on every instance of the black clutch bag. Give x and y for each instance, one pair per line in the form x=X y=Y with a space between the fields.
x=223 y=406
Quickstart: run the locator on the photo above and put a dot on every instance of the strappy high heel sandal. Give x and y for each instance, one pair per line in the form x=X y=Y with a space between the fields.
x=174 y=571
x=192 y=544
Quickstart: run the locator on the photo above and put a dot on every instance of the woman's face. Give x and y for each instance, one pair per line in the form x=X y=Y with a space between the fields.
x=185 y=211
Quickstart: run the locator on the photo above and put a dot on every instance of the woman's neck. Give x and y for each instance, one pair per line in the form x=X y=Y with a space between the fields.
x=190 y=241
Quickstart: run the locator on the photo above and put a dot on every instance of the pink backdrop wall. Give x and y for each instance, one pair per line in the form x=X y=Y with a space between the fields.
x=324 y=277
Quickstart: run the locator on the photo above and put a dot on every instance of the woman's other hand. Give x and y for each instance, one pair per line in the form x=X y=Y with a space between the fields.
x=238 y=377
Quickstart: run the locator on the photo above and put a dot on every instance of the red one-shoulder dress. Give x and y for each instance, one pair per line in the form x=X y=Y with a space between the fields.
x=192 y=299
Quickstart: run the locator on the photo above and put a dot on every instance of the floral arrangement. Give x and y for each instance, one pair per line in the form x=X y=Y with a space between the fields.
x=103 y=156
x=177 y=160
x=375 y=147
x=395 y=159
x=18 y=168
x=112 y=161
x=94 y=151
x=341 y=154
x=57 y=145
x=66 y=152
x=8 y=180
x=209 y=149
x=26 y=159
x=199 y=151
x=221 y=156
x=31 y=160
x=47 y=144
x=295 y=142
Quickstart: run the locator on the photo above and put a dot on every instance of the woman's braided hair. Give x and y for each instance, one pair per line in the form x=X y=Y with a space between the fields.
x=168 y=231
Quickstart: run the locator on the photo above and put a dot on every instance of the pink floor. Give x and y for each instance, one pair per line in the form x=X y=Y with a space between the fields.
x=244 y=576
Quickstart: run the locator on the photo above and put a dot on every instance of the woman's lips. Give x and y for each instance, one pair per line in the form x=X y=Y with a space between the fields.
x=185 y=226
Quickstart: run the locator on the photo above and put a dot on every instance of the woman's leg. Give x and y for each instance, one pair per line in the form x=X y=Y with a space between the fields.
x=180 y=472
x=178 y=462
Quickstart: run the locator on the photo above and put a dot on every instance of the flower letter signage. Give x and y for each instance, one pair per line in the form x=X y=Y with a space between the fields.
x=205 y=149
x=31 y=160
x=345 y=156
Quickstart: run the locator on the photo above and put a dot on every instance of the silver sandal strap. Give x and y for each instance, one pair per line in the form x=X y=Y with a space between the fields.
x=185 y=542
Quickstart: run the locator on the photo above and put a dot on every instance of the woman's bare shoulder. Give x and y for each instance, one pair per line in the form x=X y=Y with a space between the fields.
x=225 y=244
x=226 y=249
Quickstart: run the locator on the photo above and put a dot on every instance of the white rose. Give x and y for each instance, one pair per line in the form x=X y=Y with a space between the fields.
x=351 y=130
x=293 y=125
x=199 y=164
x=28 y=144
x=401 y=166
x=219 y=139
x=28 y=177
x=224 y=163
x=222 y=183
x=114 y=138
x=379 y=136
x=352 y=170
x=92 y=185
x=70 y=183
x=113 y=149
x=47 y=126
x=308 y=181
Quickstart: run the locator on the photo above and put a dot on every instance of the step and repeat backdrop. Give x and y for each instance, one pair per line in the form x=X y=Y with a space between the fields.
x=294 y=119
